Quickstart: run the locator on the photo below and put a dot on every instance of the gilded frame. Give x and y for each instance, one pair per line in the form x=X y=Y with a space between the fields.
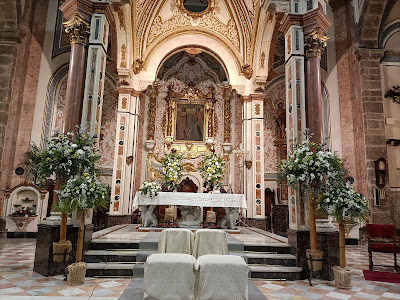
x=191 y=98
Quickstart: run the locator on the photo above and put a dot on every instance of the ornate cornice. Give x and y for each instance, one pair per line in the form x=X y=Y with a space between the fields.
x=77 y=29
x=290 y=20
x=316 y=20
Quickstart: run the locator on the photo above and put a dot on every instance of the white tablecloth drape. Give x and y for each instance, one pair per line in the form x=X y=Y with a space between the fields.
x=222 y=277
x=176 y=240
x=210 y=241
x=191 y=199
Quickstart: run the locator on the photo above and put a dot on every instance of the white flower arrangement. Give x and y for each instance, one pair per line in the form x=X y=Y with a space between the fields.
x=150 y=188
x=82 y=192
x=212 y=171
x=311 y=168
x=344 y=204
x=172 y=167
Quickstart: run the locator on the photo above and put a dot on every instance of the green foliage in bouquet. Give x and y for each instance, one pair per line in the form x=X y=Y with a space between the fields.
x=311 y=169
x=66 y=155
x=212 y=171
x=343 y=203
x=172 y=167
x=82 y=192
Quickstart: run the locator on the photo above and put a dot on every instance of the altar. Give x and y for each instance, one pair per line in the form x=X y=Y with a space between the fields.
x=190 y=204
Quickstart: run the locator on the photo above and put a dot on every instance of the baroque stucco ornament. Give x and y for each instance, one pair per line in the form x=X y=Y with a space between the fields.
x=77 y=30
x=315 y=43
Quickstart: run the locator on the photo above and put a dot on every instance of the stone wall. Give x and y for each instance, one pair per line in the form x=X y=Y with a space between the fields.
x=9 y=40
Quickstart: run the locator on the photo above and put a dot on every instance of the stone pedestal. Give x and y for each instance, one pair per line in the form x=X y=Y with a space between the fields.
x=328 y=243
x=2 y=227
x=280 y=219
x=47 y=234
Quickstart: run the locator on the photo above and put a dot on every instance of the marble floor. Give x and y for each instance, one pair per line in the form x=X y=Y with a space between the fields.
x=19 y=282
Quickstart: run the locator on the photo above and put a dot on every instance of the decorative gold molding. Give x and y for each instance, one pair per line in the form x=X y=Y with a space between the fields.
x=152 y=112
x=123 y=56
x=315 y=43
x=188 y=167
x=227 y=114
x=195 y=15
x=77 y=29
x=262 y=60
x=247 y=71
x=137 y=66
x=118 y=8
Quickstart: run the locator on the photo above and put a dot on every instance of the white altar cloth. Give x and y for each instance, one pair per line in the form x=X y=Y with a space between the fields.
x=191 y=199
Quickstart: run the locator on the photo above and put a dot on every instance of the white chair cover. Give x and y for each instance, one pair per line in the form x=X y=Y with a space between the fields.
x=210 y=241
x=222 y=277
x=169 y=276
x=176 y=240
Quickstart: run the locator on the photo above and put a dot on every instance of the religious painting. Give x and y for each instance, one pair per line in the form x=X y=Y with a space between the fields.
x=190 y=122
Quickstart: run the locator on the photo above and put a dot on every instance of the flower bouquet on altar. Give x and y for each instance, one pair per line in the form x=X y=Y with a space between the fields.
x=150 y=188
x=346 y=206
x=212 y=171
x=172 y=167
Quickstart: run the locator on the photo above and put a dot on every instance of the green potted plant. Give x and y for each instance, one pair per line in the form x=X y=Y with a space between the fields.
x=81 y=193
x=312 y=171
x=346 y=206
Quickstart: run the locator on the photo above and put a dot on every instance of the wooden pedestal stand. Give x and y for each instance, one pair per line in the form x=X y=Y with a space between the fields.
x=314 y=255
x=342 y=274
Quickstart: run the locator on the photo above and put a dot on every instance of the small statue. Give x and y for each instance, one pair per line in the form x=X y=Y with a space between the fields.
x=148 y=218
x=229 y=220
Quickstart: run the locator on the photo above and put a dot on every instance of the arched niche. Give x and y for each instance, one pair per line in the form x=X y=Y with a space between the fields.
x=164 y=49
x=28 y=197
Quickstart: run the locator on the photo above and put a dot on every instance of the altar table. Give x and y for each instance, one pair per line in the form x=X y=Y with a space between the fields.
x=189 y=204
x=191 y=199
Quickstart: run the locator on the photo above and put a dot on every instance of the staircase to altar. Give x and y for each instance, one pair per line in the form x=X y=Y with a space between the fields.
x=121 y=251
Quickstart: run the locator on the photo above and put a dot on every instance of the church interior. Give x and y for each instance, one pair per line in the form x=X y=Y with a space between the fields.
x=246 y=82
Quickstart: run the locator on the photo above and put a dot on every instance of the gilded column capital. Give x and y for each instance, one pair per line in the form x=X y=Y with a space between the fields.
x=77 y=29
x=315 y=43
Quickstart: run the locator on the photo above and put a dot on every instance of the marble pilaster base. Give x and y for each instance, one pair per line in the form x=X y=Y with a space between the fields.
x=328 y=243
x=46 y=235
x=257 y=223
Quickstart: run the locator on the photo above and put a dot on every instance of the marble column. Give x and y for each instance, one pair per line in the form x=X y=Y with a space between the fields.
x=77 y=27
x=315 y=43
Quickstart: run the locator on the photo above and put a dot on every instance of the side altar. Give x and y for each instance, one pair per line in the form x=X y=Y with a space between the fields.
x=190 y=204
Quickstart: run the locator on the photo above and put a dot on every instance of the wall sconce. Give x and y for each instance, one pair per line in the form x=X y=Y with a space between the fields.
x=380 y=172
x=248 y=164
x=394 y=93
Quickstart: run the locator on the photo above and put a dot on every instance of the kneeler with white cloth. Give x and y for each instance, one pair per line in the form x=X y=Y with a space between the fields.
x=214 y=275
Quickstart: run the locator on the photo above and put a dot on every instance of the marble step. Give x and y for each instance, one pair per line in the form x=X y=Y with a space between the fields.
x=288 y=260
x=137 y=270
x=280 y=248
x=109 y=270
x=275 y=272
x=112 y=245
x=98 y=256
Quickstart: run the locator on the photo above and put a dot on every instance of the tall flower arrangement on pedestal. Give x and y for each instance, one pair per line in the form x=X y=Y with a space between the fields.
x=313 y=171
x=81 y=193
x=172 y=167
x=212 y=171
x=66 y=155
x=346 y=206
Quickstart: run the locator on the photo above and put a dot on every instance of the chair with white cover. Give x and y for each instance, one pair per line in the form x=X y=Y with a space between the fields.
x=222 y=277
x=210 y=241
x=169 y=276
x=176 y=240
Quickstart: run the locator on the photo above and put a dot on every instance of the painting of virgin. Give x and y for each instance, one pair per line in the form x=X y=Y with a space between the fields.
x=189 y=122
